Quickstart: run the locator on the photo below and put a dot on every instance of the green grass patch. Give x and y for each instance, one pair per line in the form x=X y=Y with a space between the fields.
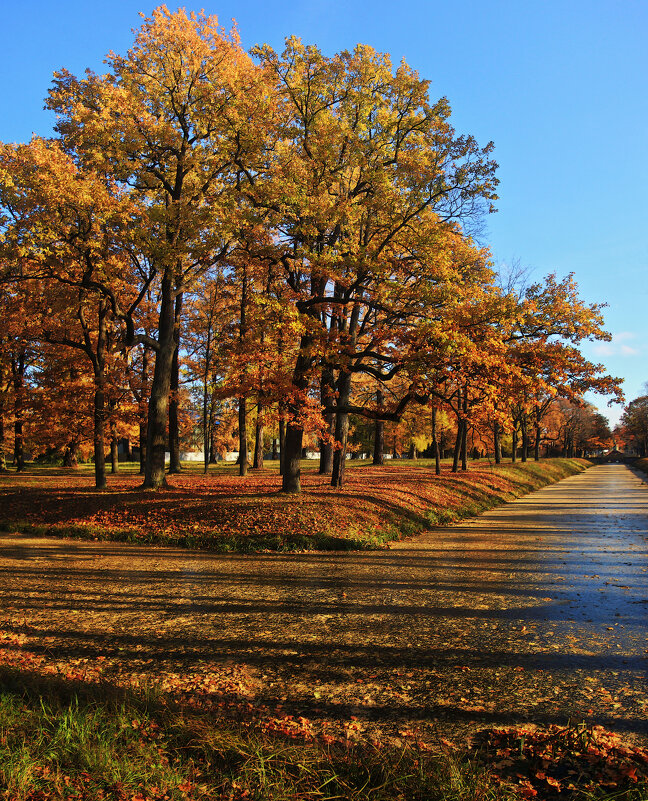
x=61 y=741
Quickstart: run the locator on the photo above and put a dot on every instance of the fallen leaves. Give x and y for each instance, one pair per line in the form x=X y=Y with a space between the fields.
x=557 y=761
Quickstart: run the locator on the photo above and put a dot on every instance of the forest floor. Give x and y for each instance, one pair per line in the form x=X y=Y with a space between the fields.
x=501 y=657
x=223 y=512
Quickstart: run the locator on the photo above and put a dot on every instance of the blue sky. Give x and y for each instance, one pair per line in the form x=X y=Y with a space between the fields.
x=560 y=86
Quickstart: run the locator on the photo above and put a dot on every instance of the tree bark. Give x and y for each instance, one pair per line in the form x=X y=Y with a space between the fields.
x=143 y=409
x=464 y=433
x=282 y=440
x=435 y=444
x=114 y=450
x=379 y=434
x=18 y=375
x=3 y=441
x=70 y=460
x=258 y=439
x=464 y=445
x=174 y=398
x=158 y=409
x=243 y=443
x=525 y=438
x=290 y=458
x=514 y=445
x=457 y=446
x=341 y=431
x=497 y=443
x=327 y=392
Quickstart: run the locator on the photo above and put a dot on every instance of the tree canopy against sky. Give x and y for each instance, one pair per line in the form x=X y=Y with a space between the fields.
x=538 y=78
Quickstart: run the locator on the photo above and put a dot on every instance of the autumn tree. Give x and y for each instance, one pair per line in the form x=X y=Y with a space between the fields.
x=67 y=231
x=635 y=423
x=365 y=174
x=169 y=121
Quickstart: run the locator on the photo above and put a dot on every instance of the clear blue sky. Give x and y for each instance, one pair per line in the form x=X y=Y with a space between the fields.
x=560 y=86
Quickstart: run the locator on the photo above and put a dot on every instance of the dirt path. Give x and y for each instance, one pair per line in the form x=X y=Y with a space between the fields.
x=535 y=612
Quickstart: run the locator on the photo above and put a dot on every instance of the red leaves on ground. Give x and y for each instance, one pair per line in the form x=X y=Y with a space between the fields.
x=558 y=761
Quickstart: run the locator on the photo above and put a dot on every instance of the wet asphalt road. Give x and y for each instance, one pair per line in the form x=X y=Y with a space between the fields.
x=534 y=612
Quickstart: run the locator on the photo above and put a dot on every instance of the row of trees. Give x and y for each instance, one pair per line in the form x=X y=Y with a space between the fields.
x=289 y=233
x=633 y=428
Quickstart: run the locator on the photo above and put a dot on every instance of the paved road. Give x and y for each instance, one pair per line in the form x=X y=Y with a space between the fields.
x=536 y=611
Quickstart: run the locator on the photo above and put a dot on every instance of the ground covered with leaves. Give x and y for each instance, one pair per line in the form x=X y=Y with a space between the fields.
x=501 y=657
x=223 y=512
x=86 y=729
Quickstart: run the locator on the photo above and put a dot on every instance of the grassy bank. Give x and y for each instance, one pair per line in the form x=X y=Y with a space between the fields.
x=68 y=740
x=641 y=464
x=222 y=512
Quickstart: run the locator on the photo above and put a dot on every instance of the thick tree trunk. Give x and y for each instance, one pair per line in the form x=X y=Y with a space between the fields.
x=275 y=449
x=243 y=443
x=464 y=432
x=258 y=439
x=413 y=451
x=174 y=397
x=497 y=443
x=143 y=409
x=536 y=446
x=327 y=394
x=18 y=375
x=142 y=446
x=291 y=453
x=379 y=434
x=282 y=444
x=156 y=439
x=3 y=440
x=435 y=444
x=70 y=456
x=514 y=445
x=525 y=438
x=114 y=450
x=98 y=436
x=457 y=446
x=341 y=431
x=464 y=445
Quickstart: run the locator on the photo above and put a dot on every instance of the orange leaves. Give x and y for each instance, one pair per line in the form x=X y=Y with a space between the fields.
x=549 y=762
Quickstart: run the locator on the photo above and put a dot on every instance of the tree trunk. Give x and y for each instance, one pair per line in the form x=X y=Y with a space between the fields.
x=327 y=393
x=290 y=458
x=457 y=446
x=413 y=451
x=536 y=445
x=18 y=374
x=258 y=440
x=464 y=445
x=275 y=449
x=435 y=444
x=514 y=445
x=379 y=434
x=174 y=397
x=114 y=449
x=341 y=430
x=525 y=438
x=497 y=443
x=156 y=439
x=143 y=409
x=70 y=460
x=3 y=441
x=243 y=443
x=464 y=433
x=282 y=441
x=142 y=441
x=98 y=435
